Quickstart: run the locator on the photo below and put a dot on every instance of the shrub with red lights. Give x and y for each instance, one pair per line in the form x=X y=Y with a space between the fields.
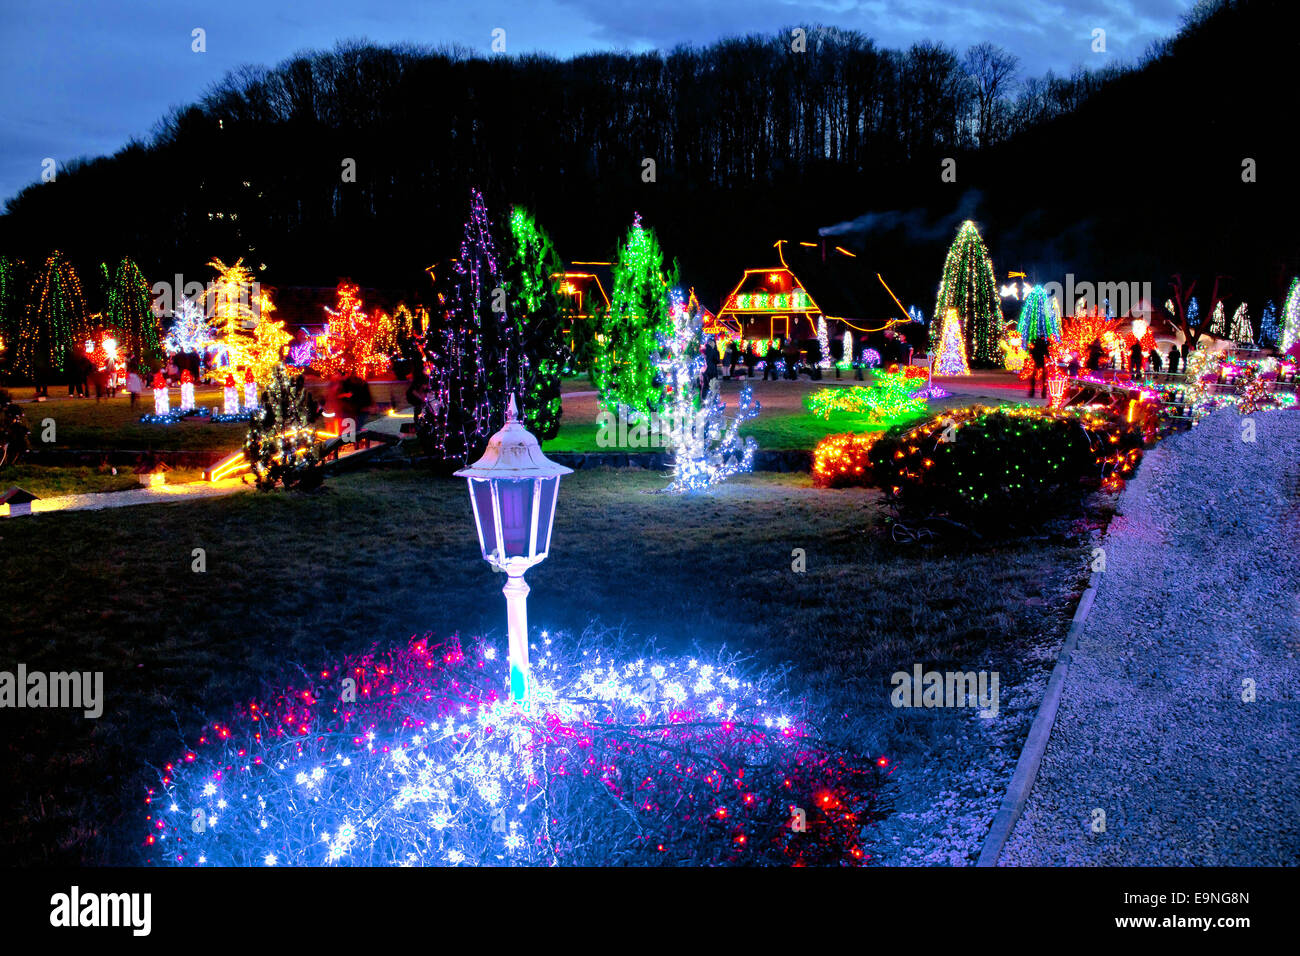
x=422 y=760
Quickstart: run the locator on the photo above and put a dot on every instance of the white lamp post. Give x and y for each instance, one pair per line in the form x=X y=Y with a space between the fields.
x=513 y=489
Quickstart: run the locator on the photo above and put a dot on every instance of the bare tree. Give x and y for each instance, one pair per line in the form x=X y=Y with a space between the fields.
x=992 y=71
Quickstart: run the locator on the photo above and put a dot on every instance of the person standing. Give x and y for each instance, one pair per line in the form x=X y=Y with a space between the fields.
x=1038 y=355
x=1174 y=356
x=904 y=351
x=1156 y=364
x=1135 y=361
x=770 y=360
x=790 y=352
x=134 y=385
x=354 y=402
x=1094 y=356
x=711 y=362
x=733 y=356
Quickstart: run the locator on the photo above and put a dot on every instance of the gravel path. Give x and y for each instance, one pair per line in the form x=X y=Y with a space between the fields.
x=135 y=496
x=1201 y=593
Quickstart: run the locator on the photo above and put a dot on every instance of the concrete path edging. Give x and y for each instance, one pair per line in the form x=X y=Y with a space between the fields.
x=1040 y=731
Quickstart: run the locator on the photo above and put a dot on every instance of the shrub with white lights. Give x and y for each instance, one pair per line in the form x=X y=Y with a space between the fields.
x=424 y=760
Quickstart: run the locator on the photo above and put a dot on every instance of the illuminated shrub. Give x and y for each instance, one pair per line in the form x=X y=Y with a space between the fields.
x=840 y=461
x=1003 y=466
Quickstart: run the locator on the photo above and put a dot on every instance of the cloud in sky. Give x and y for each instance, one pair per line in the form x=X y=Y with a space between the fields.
x=82 y=79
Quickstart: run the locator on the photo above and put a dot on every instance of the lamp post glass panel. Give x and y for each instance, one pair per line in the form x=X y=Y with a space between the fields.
x=513 y=489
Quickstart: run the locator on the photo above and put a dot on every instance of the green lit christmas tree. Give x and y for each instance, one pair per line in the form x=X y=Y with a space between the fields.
x=1039 y=317
x=10 y=306
x=626 y=372
x=1291 y=317
x=970 y=286
x=130 y=314
x=532 y=303
x=54 y=322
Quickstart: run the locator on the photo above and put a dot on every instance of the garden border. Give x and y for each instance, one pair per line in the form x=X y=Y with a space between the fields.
x=1040 y=731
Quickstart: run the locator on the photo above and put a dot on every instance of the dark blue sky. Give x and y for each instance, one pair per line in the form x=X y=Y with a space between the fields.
x=82 y=78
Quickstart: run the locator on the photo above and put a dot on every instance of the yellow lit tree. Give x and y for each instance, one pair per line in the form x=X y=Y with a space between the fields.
x=263 y=353
x=229 y=302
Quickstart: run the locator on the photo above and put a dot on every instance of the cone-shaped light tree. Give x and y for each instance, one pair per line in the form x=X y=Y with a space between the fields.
x=534 y=307
x=54 y=322
x=1039 y=317
x=10 y=302
x=625 y=369
x=950 y=355
x=472 y=350
x=1240 y=330
x=282 y=446
x=1268 y=328
x=970 y=286
x=129 y=313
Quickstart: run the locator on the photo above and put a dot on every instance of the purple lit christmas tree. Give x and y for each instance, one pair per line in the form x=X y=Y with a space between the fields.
x=474 y=352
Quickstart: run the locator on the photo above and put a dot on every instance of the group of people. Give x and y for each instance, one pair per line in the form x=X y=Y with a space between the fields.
x=1139 y=360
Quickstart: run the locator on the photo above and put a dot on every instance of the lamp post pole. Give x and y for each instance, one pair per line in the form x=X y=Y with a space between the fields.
x=516 y=592
x=513 y=490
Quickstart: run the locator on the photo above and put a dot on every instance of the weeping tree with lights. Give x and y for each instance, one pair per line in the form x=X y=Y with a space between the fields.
x=130 y=314
x=707 y=447
x=472 y=351
x=1039 y=318
x=626 y=372
x=970 y=286
x=282 y=446
x=534 y=306
x=54 y=323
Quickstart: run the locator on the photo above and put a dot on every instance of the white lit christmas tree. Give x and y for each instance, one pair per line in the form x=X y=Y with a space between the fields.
x=190 y=331
x=707 y=447
x=1240 y=330
x=950 y=359
x=823 y=342
x=1219 y=321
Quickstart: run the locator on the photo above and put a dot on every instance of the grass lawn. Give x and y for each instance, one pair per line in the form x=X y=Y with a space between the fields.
x=783 y=424
x=296 y=580
x=50 y=482
x=84 y=423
